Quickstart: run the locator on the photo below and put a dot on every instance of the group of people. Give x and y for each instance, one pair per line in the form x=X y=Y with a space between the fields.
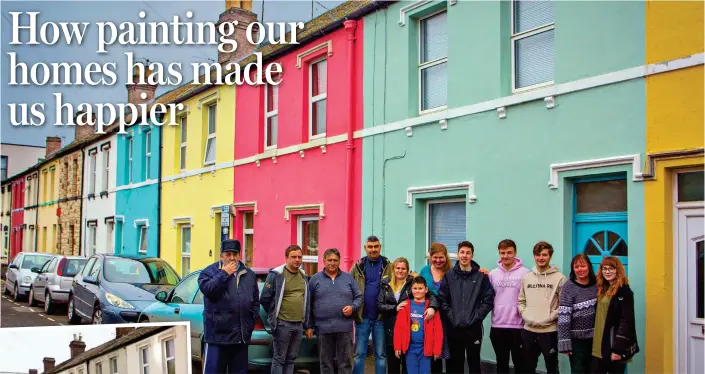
x=420 y=321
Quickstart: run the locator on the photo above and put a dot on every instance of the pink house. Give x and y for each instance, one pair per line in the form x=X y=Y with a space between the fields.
x=298 y=169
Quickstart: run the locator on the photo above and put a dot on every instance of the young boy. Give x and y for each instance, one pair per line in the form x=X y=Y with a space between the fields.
x=418 y=339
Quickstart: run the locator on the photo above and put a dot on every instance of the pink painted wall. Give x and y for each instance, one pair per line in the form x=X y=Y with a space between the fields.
x=316 y=178
x=17 y=218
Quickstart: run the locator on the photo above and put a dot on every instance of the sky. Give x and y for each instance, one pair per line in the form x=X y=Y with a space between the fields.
x=24 y=348
x=116 y=12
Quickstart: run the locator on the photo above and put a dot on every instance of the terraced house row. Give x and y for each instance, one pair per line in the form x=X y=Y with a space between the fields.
x=578 y=123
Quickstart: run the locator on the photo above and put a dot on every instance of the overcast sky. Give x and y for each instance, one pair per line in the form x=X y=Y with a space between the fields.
x=116 y=12
x=24 y=348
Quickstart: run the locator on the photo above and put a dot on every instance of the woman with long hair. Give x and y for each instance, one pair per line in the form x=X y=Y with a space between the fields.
x=614 y=339
x=434 y=272
x=576 y=314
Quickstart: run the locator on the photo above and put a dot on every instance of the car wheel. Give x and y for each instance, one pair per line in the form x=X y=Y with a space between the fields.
x=97 y=316
x=48 y=305
x=31 y=300
x=71 y=315
x=144 y=319
x=16 y=296
x=6 y=291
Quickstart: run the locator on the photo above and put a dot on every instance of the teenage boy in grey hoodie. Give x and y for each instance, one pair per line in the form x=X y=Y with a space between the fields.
x=538 y=306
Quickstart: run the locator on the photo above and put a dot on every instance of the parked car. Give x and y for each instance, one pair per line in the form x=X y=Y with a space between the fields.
x=115 y=289
x=19 y=276
x=54 y=281
x=185 y=303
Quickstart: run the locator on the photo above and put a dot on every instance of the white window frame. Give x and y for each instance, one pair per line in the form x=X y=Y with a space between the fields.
x=268 y=115
x=245 y=232
x=147 y=153
x=143 y=237
x=524 y=34
x=211 y=137
x=453 y=256
x=110 y=365
x=428 y=64
x=92 y=238
x=183 y=140
x=110 y=228
x=93 y=164
x=300 y=232
x=99 y=367
x=29 y=193
x=143 y=365
x=314 y=99
x=165 y=351
x=106 y=168
x=185 y=254
x=130 y=153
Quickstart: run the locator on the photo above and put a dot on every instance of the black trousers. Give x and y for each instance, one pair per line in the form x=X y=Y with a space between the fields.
x=536 y=344
x=437 y=366
x=581 y=356
x=464 y=342
x=225 y=359
x=335 y=351
x=506 y=342
x=395 y=365
x=602 y=366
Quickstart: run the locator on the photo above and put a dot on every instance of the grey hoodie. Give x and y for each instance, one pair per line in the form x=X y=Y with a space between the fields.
x=539 y=299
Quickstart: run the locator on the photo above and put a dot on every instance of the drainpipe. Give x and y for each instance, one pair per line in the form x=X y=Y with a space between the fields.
x=384 y=190
x=36 y=214
x=80 y=196
x=159 y=190
x=350 y=26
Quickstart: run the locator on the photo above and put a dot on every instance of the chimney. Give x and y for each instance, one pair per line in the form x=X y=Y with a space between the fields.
x=33 y=371
x=48 y=364
x=122 y=331
x=140 y=93
x=83 y=128
x=240 y=11
x=77 y=345
x=53 y=144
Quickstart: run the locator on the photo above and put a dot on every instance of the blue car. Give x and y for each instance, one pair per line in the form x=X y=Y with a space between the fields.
x=115 y=289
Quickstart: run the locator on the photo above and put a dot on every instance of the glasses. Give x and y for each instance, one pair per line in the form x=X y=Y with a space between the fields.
x=608 y=270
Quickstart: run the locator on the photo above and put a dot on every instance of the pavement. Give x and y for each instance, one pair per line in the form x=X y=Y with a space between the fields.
x=20 y=314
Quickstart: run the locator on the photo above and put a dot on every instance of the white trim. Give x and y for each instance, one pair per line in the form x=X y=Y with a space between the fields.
x=521 y=35
x=635 y=160
x=408 y=8
x=136 y=185
x=326 y=45
x=242 y=205
x=141 y=222
x=208 y=99
x=268 y=115
x=314 y=99
x=307 y=259
x=183 y=128
x=470 y=186
x=130 y=153
x=313 y=143
x=451 y=255
x=539 y=94
x=182 y=221
x=429 y=64
x=211 y=136
x=289 y=208
x=199 y=171
x=147 y=152
x=146 y=236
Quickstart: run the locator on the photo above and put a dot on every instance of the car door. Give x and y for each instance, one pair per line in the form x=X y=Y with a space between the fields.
x=184 y=304
x=91 y=291
x=79 y=288
x=40 y=283
x=13 y=274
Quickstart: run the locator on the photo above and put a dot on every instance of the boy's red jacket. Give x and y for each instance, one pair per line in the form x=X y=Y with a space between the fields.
x=432 y=332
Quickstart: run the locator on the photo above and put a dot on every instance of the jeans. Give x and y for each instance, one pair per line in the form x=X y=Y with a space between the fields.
x=225 y=359
x=506 y=341
x=465 y=342
x=536 y=344
x=581 y=356
x=416 y=362
x=362 y=336
x=286 y=341
x=336 y=346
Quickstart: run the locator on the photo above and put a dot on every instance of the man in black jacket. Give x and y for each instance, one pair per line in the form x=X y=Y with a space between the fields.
x=230 y=306
x=466 y=297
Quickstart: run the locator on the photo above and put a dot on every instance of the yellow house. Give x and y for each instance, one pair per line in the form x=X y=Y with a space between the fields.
x=673 y=189
x=47 y=219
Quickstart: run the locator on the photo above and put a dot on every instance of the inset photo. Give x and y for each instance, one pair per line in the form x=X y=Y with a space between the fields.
x=116 y=349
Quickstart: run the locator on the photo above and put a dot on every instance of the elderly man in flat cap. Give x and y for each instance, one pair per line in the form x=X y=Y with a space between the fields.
x=231 y=304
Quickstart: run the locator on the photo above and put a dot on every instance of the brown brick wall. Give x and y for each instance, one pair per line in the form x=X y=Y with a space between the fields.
x=71 y=177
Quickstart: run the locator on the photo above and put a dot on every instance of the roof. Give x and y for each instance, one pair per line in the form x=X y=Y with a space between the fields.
x=23 y=145
x=108 y=347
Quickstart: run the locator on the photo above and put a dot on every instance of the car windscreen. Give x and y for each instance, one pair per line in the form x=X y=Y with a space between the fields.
x=125 y=270
x=34 y=261
x=73 y=266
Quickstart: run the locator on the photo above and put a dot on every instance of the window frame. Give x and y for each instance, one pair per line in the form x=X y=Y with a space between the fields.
x=106 y=168
x=514 y=37
x=299 y=237
x=183 y=141
x=451 y=255
x=130 y=153
x=91 y=241
x=110 y=365
x=314 y=99
x=270 y=114
x=185 y=254
x=211 y=136
x=93 y=164
x=247 y=231
x=4 y=166
x=143 y=364
x=141 y=237
x=147 y=153
x=110 y=233
x=429 y=64
x=165 y=351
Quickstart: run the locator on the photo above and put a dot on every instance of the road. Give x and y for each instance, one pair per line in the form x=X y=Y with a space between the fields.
x=20 y=314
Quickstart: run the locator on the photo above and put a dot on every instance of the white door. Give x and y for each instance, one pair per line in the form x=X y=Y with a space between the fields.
x=691 y=301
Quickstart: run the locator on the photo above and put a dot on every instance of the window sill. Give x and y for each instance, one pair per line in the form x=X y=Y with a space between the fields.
x=532 y=88
x=434 y=110
x=313 y=138
x=207 y=164
x=103 y=193
x=91 y=196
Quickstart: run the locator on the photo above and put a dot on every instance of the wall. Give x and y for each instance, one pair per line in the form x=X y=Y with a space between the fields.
x=21 y=157
x=5 y=220
x=48 y=204
x=70 y=183
x=120 y=354
x=17 y=217
x=157 y=361
x=30 y=211
x=674 y=122
x=100 y=204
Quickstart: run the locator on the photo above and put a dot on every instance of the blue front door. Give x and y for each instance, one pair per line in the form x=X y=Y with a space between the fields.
x=600 y=222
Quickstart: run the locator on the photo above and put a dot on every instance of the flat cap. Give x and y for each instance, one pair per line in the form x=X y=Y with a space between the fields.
x=230 y=245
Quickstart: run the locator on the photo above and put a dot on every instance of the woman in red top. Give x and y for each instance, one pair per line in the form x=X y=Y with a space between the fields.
x=419 y=339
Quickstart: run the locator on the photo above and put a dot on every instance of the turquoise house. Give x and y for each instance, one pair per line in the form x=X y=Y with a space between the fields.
x=137 y=200
x=487 y=120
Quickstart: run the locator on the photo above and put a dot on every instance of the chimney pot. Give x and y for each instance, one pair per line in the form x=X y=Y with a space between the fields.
x=49 y=363
x=77 y=346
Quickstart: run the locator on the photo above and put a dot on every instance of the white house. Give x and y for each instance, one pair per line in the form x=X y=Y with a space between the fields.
x=99 y=170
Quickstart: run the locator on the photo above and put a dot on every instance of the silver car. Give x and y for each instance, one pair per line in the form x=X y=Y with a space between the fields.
x=54 y=281
x=19 y=276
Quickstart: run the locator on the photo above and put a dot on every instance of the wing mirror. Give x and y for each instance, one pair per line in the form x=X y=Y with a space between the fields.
x=161 y=296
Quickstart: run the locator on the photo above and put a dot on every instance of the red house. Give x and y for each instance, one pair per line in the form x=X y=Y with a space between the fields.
x=298 y=167
x=17 y=217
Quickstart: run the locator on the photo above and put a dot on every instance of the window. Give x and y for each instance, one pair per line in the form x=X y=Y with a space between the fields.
x=44 y=185
x=95 y=271
x=144 y=360
x=209 y=157
x=51 y=185
x=45 y=247
x=91 y=240
x=143 y=239
x=76 y=180
x=185 y=250
x=446 y=223
x=98 y=368
x=433 y=62
x=690 y=186
x=170 y=356
x=308 y=240
x=113 y=366
x=249 y=236
x=28 y=199
x=111 y=230
x=533 y=51
x=53 y=248
x=129 y=159
x=119 y=237
x=183 y=293
x=3 y=168
x=31 y=240
x=93 y=161
x=106 y=168
x=317 y=86
x=271 y=115
x=72 y=240
x=183 y=140
x=80 y=371
x=601 y=197
x=57 y=237
x=147 y=153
